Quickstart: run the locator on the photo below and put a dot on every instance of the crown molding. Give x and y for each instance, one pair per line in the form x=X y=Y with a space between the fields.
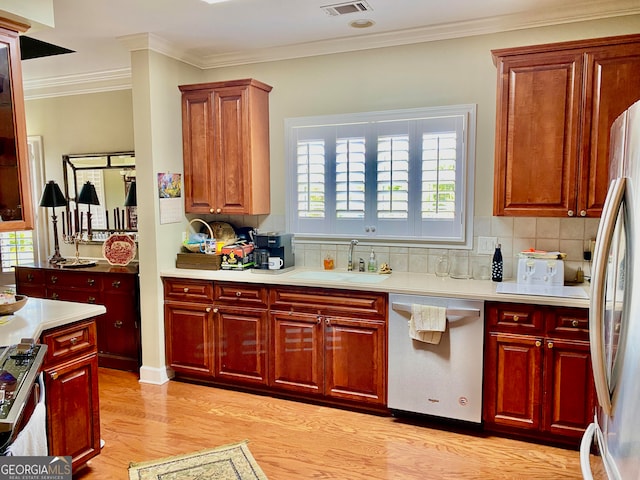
x=105 y=81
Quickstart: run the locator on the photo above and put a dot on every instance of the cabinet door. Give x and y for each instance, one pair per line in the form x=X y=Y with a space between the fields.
x=73 y=409
x=16 y=212
x=537 y=126
x=119 y=332
x=189 y=338
x=355 y=360
x=241 y=345
x=197 y=139
x=569 y=391
x=513 y=381
x=297 y=353
x=612 y=86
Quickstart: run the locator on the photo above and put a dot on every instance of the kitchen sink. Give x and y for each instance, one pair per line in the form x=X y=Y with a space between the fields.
x=345 y=277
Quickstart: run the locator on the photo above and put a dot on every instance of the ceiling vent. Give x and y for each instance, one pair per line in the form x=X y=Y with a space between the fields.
x=345 y=8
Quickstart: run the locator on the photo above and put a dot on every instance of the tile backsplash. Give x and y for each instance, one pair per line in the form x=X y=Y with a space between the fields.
x=515 y=234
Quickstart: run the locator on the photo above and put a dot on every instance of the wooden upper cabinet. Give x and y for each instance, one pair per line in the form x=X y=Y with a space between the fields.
x=16 y=211
x=225 y=130
x=555 y=106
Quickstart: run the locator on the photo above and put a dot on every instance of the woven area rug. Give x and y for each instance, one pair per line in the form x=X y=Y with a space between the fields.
x=230 y=462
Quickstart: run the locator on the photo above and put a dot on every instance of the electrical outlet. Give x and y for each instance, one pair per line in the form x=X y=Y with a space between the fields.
x=487 y=245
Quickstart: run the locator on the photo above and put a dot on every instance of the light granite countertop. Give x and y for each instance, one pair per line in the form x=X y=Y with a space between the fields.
x=39 y=315
x=400 y=282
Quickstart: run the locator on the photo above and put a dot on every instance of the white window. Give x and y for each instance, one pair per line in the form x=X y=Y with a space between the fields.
x=16 y=248
x=404 y=175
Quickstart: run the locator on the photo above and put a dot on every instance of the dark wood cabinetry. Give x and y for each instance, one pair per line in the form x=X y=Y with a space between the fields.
x=225 y=132
x=16 y=211
x=114 y=287
x=538 y=379
x=555 y=106
x=329 y=343
x=315 y=343
x=71 y=384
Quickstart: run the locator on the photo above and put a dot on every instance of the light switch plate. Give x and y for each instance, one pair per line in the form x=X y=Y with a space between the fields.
x=487 y=245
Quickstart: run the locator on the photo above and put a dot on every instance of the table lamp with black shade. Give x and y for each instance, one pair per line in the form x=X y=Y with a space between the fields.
x=53 y=197
x=88 y=196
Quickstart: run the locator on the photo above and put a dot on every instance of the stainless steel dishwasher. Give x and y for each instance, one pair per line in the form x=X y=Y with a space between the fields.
x=444 y=380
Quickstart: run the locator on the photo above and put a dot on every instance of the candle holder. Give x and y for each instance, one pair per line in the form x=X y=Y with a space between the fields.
x=76 y=239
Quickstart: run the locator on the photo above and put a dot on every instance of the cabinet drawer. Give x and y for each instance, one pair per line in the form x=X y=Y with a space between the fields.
x=329 y=302
x=29 y=276
x=68 y=280
x=119 y=283
x=247 y=295
x=74 y=295
x=515 y=317
x=185 y=290
x=69 y=341
x=572 y=323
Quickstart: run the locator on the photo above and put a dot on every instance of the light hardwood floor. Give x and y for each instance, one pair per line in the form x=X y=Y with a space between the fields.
x=293 y=440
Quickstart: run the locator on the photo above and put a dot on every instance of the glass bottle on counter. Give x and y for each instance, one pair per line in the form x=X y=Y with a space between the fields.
x=496 y=265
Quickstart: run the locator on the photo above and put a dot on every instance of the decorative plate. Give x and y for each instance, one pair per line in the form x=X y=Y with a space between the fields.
x=119 y=249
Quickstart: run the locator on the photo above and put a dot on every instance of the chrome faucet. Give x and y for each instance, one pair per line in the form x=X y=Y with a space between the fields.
x=352 y=244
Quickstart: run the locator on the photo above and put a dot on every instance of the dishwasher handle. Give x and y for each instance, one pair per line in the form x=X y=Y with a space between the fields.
x=451 y=312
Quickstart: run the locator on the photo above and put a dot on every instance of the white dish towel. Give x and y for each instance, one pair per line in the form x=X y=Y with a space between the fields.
x=427 y=323
x=32 y=439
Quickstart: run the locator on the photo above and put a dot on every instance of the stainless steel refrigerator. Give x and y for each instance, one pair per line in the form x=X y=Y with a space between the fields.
x=614 y=314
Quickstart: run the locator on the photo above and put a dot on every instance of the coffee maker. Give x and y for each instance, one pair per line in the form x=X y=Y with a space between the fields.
x=273 y=244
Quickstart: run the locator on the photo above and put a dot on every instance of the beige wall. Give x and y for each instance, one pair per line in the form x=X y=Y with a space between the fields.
x=437 y=73
x=98 y=122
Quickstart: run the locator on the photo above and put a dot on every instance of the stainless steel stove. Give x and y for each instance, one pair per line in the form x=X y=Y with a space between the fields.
x=19 y=369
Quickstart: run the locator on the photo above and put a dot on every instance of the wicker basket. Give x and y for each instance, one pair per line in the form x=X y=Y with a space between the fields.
x=195 y=247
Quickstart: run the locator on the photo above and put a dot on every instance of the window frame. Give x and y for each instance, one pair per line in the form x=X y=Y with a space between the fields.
x=467 y=114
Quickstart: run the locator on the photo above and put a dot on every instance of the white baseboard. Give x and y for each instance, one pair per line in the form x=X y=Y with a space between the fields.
x=156 y=376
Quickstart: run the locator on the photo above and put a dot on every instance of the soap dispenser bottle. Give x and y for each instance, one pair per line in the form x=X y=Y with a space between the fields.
x=373 y=265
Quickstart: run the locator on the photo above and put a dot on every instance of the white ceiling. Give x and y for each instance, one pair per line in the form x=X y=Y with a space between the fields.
x=102 y=32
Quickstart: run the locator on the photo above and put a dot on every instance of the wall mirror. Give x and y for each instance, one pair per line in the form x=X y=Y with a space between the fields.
x=114 y=176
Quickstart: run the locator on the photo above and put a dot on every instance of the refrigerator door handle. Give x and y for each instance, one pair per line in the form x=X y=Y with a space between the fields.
x=585 y=450
x=612 y=204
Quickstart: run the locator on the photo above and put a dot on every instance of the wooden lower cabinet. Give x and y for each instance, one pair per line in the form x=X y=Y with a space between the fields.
x=119 y=343
x=539 y=383
x=71 y=385
x=322 y=344
x=241 y=345
x=189 y=333
x=320 y=353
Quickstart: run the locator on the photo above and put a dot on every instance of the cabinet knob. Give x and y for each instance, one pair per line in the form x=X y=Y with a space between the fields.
x=571 y=213
x=238 y=294
x=91 y=299
x=29 y=277
x=91 y=281
x=327 y=321
x=538 y=343
x=54 y=375
x=211 y=210
x=73 y=340
x=216 y=310
x=550 y=345
x=583 y=213
x=218 y=210
x=319 y=319
x=117 y=324
x=185 y=289
x=54 y=279
x=575 y=323
x=54 y=296
x=115 y=284
x=516 y=318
